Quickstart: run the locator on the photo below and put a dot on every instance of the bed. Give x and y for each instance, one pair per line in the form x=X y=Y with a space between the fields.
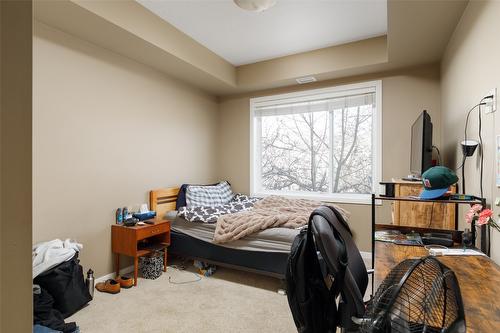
x=265 y=252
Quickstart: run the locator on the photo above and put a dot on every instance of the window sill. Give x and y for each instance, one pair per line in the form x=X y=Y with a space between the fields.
x=357 y=199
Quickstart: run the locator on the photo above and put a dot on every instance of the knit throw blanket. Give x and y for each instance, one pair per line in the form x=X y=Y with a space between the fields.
x=270 y=212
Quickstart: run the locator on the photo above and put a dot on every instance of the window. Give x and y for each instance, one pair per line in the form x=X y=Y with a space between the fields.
x=322 y=144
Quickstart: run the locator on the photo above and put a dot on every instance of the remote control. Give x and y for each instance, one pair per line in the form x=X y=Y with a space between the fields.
x=149 y=222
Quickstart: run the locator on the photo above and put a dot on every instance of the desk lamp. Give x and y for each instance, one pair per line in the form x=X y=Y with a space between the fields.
x=469 y=147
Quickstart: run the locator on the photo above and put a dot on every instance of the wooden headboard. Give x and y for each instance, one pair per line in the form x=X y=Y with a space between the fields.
x=163 y=200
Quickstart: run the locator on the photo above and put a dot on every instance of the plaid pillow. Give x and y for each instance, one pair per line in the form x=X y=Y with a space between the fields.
x=214 y=195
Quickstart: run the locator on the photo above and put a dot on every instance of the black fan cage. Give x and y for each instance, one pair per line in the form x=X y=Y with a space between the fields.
x=418 y=295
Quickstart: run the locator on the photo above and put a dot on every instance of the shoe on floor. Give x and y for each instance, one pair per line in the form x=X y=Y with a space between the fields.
x=110 y=286
x=125 y=281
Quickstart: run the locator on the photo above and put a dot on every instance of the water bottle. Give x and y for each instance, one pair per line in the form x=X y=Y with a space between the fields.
x=119 y=219
x=90 y=282
x=124 y=213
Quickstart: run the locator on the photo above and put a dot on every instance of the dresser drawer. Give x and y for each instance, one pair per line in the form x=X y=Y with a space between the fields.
x=152 y=230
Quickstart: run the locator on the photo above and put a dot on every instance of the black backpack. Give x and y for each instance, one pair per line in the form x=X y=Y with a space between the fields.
x=311 y=299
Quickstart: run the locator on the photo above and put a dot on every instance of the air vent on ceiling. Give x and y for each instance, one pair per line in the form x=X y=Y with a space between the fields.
x=305 y=79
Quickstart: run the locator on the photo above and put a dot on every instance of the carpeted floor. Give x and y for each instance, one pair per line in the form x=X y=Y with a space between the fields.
x=229 y=301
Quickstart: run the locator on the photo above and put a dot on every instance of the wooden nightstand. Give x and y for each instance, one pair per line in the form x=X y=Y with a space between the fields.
x=140 y=240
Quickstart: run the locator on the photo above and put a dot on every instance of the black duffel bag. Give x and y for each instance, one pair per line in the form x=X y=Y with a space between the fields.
x=65 y=283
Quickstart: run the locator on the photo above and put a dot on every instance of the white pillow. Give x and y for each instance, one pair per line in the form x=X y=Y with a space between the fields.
x=212 y=195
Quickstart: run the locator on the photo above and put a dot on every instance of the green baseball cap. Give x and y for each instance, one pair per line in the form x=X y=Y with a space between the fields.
x=437 y=181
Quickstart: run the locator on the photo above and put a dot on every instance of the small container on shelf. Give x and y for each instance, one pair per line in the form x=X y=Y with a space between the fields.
x=119 y=216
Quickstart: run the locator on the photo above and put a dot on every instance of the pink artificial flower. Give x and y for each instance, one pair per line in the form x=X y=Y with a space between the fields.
x=476 y=208
x=483 y=220
x=486 y=213
x=484 y=217
x=469 y=216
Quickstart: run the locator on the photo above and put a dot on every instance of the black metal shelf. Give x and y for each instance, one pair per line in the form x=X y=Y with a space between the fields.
x=481 y=201
x=443 y=201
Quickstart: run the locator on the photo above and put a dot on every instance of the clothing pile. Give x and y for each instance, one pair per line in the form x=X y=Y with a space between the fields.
x=45 y=317
x=204 y=268
x=47 y=255
x=58 y=286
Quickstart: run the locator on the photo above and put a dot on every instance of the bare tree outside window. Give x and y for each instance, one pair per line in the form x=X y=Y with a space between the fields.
x=352 y=150
x=326 y=151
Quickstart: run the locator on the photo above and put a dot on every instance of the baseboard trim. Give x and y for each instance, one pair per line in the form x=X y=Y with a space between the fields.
x=113 y=275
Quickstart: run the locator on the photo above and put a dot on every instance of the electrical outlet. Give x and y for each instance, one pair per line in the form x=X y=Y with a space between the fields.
x=491 y=103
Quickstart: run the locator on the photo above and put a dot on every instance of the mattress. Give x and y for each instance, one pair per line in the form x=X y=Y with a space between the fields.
x=269 y=240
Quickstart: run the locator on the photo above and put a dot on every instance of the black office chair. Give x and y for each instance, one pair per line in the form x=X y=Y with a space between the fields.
x=351 y=304
x=418 y=295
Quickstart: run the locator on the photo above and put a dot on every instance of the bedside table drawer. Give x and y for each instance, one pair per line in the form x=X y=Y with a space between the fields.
x=152 y=231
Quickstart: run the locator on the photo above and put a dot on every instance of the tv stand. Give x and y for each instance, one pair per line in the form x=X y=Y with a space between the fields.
x=411 y=178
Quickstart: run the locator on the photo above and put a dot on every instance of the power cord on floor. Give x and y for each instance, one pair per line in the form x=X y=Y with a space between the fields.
x=183 y=268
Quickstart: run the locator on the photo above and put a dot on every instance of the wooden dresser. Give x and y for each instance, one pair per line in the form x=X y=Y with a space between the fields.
x=421 y=214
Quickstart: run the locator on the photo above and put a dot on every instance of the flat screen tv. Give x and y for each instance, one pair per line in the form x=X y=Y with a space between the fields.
x=421 y=145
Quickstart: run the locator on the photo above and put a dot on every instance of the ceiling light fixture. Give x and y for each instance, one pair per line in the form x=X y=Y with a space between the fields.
x=255 y=5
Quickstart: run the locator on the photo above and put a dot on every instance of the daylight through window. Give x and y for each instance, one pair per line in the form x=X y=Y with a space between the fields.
x=322 y=143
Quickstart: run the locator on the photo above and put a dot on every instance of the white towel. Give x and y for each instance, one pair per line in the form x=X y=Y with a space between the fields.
x=46 y=255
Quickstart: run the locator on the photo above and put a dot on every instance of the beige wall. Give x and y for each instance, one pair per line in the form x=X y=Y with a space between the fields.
x=405 y=95
x=16 y=296
x=96 y=111
x=321 y=63
x=470 y=68
x=106 y=131
x=130 y=29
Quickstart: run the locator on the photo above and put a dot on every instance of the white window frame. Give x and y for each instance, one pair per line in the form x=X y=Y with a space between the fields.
x=330 y=92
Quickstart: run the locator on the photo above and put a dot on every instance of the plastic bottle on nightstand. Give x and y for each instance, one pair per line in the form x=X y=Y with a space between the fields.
x=124 y=214
x=119 y=218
